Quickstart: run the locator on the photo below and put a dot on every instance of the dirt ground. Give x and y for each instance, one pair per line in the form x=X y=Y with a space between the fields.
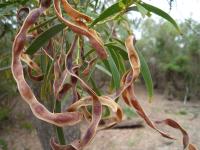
x=19 y=134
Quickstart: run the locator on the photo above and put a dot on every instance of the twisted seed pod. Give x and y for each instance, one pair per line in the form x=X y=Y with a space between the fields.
x=59 y=79
x=48 y=50
x=128 y=93
x=24 y=57
x=21 y=13
x=38 y=77
x=80 y=28
x=96 y=105
x=89 y=66
x=175 y=125
x=106 y=101
x=131 y=100
x=76 y=15
x=59 y=119
x=74 y=81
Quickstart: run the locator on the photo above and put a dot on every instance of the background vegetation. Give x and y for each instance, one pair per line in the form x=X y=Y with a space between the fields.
x=173 y=58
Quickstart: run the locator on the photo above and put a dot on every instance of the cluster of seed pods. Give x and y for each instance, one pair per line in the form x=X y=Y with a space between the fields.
x=77 y=111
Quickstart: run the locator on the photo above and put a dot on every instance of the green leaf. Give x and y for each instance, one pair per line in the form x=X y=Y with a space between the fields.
x=106 y=112
x=94 y=86
x=44 y=37
x=160 y=13
x=142 y=10
x=112 y=10
x=146 y=76
x=135 y=8
x=121 y=64
x=118 y=49
x=132 y=8
x=3 y=144
x=4 y=4
x=130 y=113
x=119 y=61
x=59 y=130
x=7 y=3
x=120 y=42
x=88 y=53
x=103 y=69
x=114 y=57
x=114 y=71
x=43 y=23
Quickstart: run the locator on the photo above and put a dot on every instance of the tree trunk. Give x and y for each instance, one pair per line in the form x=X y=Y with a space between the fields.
x=45 y=130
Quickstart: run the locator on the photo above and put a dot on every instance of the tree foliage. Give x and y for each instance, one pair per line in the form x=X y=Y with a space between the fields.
x=173 y=57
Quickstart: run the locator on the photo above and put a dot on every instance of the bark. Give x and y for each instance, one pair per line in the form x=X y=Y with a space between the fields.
x=45 y=131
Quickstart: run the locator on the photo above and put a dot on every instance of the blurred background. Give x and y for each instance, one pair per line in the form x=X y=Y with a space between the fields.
x=174 y=62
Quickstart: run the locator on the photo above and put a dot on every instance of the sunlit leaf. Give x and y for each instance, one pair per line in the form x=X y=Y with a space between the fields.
x=112 y=10
x=160 y=13
x=142 y=10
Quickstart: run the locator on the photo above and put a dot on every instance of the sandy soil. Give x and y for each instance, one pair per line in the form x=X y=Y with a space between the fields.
x=20 y=135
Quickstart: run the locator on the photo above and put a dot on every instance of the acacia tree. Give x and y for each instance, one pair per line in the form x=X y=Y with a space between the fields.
x=171 y=62
x=62 y=49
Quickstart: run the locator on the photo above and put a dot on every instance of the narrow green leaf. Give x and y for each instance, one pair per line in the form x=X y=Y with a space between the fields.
x=91 y=73
x=121 y=64
x=146 y=76
x=106 y=112
x=114 y=71
x=135 y=8
x=7 y=3
x=119 y=61
x=160 y=13
x=119 y=41
x=44 y=37
x=59 y=130
x=112 y=10
x=4 y=4
x=104 y=70
x=132 y=8
x=142 y=10
x=88 y=53
x=43 y=23
x=114 y=56
x=118 y=49
x=94 y=86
